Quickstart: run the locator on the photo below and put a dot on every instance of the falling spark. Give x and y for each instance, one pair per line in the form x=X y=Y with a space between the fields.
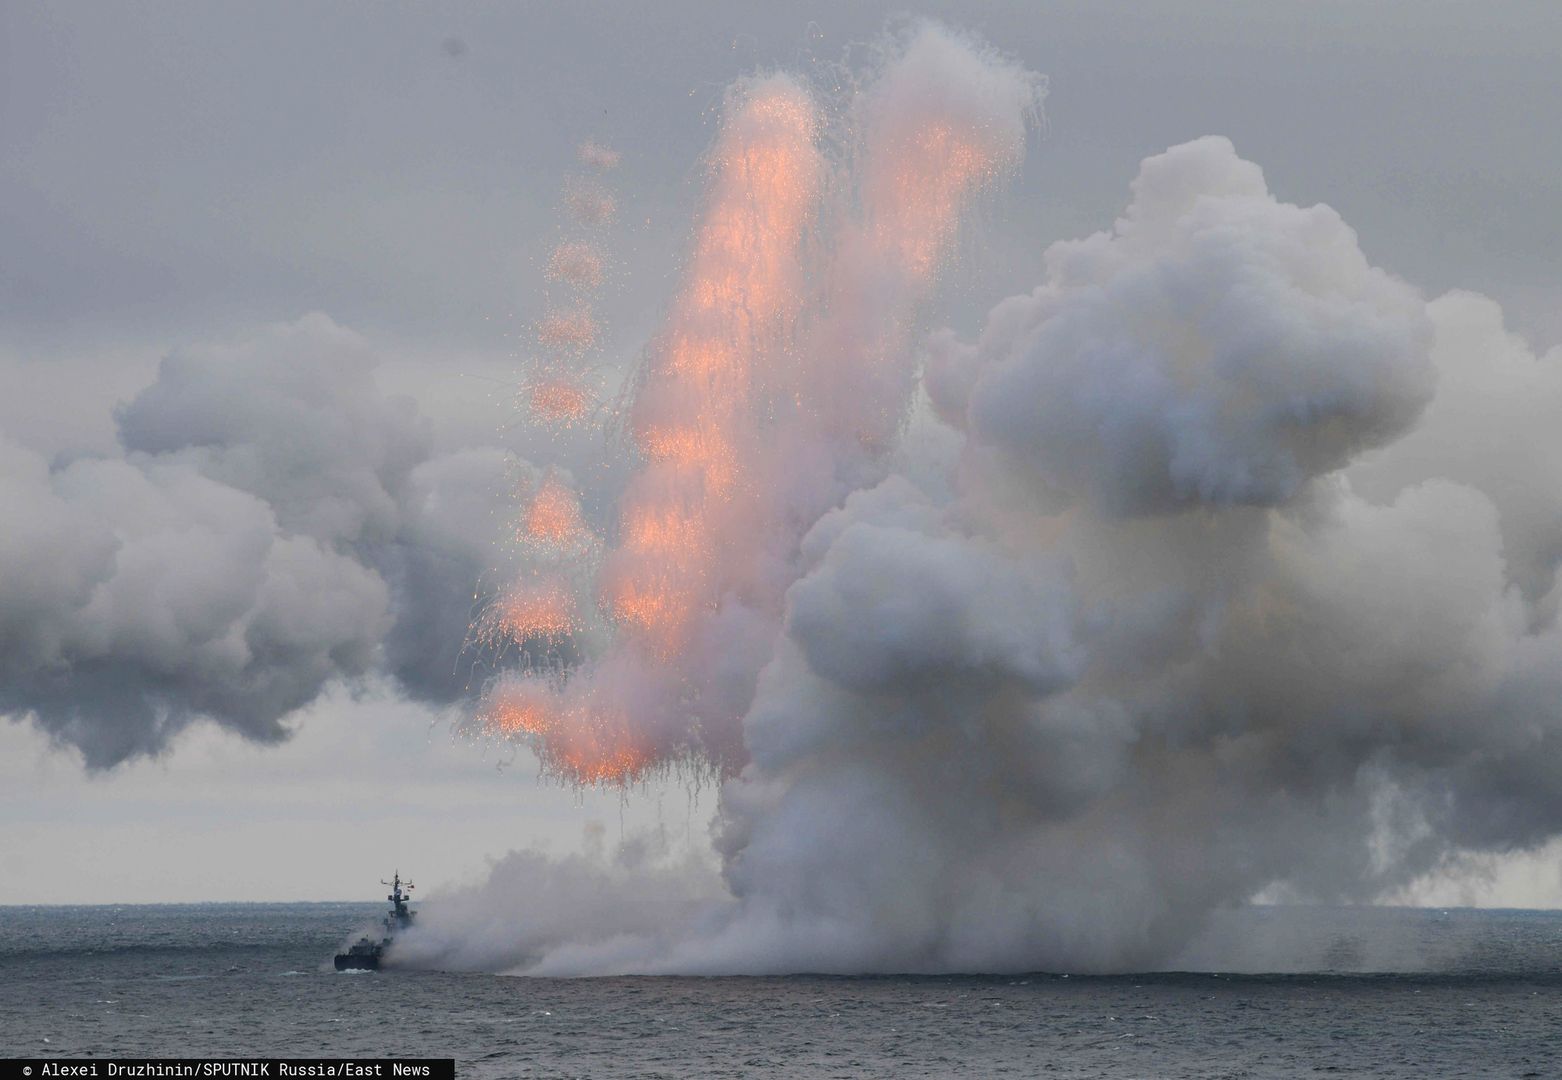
x=921 y=168
x=530 y=610
x=918 y=185
x=582 y=740
x=705 y=452
x=570 y=330
x=742 y=291
x=553 y=516
x=663 y=528
x=576 y=263
x=557 y=399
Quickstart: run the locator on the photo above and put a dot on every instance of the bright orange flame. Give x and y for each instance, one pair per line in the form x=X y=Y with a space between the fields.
x=743 y=290
x=592 y=758
x=529 y=610
x=705 y=451
x=584 y=742
x=663 y=529
x=656 y=607
x=512 y=716
x=694 y=357
x=663 y=551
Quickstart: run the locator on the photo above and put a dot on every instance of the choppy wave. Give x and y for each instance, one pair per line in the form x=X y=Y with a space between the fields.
x=1455 y=992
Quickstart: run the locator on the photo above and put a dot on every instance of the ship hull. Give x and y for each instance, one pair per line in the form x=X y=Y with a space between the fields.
x=365 y=953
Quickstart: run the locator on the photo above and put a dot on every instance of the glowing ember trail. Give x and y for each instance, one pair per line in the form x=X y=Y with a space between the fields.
x=528 y=610
x=781 y=373
x=557 y=391
x=576 y=263
x=579 y=740
x=557 y=398
x=553 y=516
x=738 y=307
x=569 y=331
x=926 y=155
x=919 y=182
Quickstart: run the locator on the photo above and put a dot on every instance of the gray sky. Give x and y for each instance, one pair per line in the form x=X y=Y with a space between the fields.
x=177 y=173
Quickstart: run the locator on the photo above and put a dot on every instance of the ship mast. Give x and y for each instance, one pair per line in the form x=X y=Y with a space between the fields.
x=398 y=899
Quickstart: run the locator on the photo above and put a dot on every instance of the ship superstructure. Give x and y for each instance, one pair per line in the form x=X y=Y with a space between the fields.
x=365 y=953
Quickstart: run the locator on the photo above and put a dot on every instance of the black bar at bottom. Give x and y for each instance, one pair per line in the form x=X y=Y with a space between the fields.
x=129 y=1068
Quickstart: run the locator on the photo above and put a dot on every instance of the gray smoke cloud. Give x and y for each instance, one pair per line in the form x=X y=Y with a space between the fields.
x=275 y=523
x=1216 y=347
x=1239 y=574
x=1222 y=562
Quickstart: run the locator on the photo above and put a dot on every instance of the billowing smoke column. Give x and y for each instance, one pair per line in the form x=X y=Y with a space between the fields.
x=1239 y=576
x=1232 y=568
x=274 y=524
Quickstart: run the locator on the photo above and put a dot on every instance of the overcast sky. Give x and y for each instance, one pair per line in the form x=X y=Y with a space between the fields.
x=179 y=173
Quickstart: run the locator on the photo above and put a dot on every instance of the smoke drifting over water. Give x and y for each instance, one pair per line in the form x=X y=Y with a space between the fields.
x=1227 y=583
x=1231 y=567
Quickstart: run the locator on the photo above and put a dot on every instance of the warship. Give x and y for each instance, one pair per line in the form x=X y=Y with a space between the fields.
x=365 y=953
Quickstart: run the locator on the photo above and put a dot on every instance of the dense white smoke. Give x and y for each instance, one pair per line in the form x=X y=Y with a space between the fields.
x=1224 y=563
x=274 y=523
x=1241 y=577
x=1215 y=348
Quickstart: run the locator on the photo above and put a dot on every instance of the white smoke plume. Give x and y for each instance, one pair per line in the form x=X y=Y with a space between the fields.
x=274 y=523
x=1240 y=576
x=1220 y=563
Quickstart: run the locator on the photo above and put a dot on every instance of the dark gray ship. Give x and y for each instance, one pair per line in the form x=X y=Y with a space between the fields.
x=365 y=953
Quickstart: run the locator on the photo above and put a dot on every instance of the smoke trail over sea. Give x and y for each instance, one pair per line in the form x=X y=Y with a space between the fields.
x=1221 y=562
x=1234 y=572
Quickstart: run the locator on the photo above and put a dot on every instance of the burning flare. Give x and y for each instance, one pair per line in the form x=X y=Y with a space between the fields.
x=780 y=373
x=530 y=610
x=576 y=263
x=557 y=398
x=554 y=515
x=737 y=307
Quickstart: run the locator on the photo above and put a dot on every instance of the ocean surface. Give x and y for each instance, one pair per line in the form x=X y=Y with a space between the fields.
x=1349 y=992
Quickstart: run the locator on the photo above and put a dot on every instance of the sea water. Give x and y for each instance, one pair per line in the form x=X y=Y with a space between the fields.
x=1378 y=992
